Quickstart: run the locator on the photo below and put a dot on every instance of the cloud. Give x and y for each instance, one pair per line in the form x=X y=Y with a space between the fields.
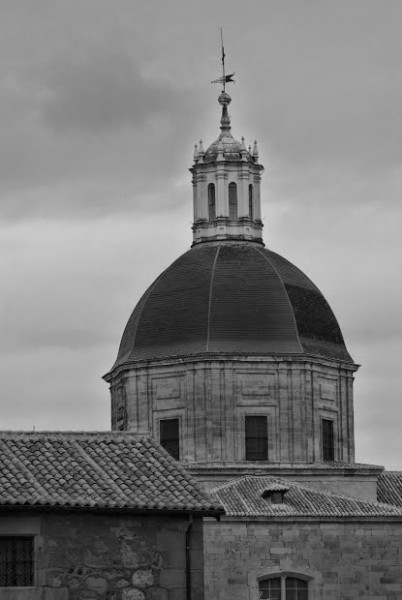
x=102 y=92
x=100 y=105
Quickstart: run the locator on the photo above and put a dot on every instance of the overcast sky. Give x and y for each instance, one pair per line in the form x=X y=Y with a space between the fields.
x=101 y=103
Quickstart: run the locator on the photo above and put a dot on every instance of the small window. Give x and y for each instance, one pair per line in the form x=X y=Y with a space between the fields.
x=16 y=561
x=283 y=588
x=169 y=436
x=233 y=202
x=328 y=453
x=211 y=203
x=250 y=202
x=256 y=438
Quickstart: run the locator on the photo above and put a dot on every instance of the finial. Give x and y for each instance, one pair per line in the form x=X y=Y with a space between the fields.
x=224 y=100
x=255 y=150
x=195 y=152
x=201 y=148
x=243 y=150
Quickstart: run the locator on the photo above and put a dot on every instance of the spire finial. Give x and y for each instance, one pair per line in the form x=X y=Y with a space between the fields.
x=224 y=100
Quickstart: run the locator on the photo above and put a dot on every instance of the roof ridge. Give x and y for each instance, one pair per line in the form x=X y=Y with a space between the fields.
x=236 y=480
x=261 y=251
x=298 y=485
x=58 y=434
x=211 y=283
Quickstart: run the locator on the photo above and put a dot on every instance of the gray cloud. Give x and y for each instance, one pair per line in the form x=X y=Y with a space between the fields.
x=100 y=106
x=102 y=91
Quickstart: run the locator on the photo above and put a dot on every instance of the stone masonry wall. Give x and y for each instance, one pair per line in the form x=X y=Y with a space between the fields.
x=211 y=398
x=100 y=557
x=342 y=560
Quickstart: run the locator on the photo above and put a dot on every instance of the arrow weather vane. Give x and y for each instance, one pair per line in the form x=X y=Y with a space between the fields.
x=225 y=78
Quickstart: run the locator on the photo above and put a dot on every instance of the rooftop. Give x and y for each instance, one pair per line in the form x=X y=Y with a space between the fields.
x=242 y=497
x=95 y=470
x=231 y=297
x=389 y=487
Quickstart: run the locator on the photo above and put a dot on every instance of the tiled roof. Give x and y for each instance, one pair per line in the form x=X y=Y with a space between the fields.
x=242 y=497
x=389 y=487
x=108 y=471
x=231 y=297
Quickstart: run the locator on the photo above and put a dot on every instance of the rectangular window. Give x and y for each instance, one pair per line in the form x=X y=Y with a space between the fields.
x=256 y=438
x=328 y=453
x=169 y=436
x=16 y=561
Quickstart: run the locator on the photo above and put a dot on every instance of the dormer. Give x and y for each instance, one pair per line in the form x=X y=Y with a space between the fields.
x=275 y=493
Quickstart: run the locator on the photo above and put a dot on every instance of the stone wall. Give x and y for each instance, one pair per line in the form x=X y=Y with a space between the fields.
x=212 y=397
x=99 y=557
x=341 y=560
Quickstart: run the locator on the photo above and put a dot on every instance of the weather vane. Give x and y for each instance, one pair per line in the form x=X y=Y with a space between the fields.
x=225 y=78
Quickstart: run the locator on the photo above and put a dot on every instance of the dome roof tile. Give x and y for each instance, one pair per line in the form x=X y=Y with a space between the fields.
x=231 y=297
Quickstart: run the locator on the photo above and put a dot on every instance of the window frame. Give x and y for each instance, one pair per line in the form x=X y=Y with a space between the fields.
x=251 y=201
x=211 y=202
x=178 y=420
x=32 y=562
x=246 y=438
x=283 y=576
x=233 y=201
x=328 y=441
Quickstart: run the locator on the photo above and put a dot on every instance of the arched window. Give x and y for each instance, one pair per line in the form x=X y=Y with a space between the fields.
x=232 y=201
x=211 y=203
x=284 y=587
x=251 y=202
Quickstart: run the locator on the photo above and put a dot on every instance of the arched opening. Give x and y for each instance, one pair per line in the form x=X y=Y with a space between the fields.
x=251 y=201
x=211 y=203
x=283 y=587
x=233 y=201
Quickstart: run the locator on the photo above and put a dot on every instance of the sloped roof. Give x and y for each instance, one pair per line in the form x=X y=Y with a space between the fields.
x=95 y=470
x=234 y=297
x=243 y=498
x=389 y=487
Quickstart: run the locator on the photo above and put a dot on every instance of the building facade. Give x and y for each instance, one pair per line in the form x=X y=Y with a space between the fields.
x=234 y=361
x=98 y=516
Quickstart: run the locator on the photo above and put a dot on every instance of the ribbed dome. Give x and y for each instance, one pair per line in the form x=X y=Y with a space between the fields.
x=230 y=148
x=231 y=298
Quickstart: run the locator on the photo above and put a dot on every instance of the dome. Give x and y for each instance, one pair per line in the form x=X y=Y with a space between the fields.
x=232 y=149
x=231 y=297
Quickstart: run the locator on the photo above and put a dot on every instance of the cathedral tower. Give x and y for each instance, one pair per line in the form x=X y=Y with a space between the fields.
x=232 y=358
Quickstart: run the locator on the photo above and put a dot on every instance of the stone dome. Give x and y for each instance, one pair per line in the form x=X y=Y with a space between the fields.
x=234 y=298
x=231 y=149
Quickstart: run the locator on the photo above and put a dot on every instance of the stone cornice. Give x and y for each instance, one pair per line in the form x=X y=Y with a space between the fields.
x=284 y=360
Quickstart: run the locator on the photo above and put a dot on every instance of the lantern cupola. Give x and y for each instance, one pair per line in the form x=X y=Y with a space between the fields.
x=226 y=187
